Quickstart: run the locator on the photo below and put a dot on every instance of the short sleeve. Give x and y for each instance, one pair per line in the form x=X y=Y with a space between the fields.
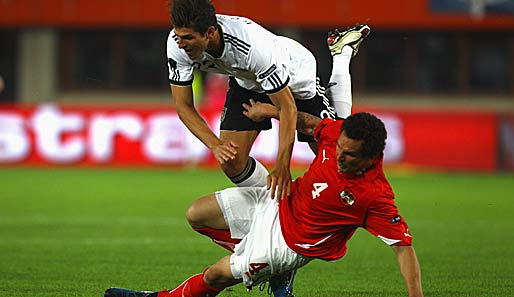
x=270 y=73
x=273 y=79
x=384 y=222
x=180 y=70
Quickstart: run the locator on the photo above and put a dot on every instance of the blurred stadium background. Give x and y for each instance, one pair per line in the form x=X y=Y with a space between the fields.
x=92 y=153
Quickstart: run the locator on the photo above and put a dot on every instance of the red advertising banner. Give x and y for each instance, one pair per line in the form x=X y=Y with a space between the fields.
x=154 y=136
x=450 y=140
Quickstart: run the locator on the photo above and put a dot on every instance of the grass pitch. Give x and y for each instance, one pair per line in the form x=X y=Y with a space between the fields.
x=76 y=232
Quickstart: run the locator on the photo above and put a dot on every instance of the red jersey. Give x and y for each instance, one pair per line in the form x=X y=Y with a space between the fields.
x=327 y=206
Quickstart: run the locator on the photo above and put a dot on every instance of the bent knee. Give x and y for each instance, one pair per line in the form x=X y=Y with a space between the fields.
x=219 y=278
x=205 y=212
x=194 y=215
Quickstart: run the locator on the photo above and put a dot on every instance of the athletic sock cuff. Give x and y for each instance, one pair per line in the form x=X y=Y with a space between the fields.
x=246 y=173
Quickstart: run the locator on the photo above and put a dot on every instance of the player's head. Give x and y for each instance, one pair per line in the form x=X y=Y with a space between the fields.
x=195 y=25
x=198 y=15
x=362 y=140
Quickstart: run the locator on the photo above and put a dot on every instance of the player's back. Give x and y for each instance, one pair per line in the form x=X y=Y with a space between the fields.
x=297 y=61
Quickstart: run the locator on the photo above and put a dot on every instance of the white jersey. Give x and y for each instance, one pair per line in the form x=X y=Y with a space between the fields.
x=258 y=59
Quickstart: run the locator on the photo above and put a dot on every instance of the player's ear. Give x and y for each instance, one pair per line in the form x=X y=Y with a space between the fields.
x=211 y=31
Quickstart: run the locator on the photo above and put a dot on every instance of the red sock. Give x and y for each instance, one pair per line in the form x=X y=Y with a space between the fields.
x=192 y=287
x=220 y=237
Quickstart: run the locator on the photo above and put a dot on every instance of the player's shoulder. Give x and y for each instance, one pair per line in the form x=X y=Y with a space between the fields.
x=234 y=20
x=172 y=41
x=379 y=190
x=241 y=30
x=236 y=23
x=172 y=37
x=328 y=128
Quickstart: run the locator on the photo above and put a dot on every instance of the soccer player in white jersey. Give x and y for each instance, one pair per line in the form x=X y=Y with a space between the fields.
x=261 y=66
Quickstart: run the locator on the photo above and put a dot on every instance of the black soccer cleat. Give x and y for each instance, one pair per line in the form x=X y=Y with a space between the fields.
x=282 y=285
x=119 y=292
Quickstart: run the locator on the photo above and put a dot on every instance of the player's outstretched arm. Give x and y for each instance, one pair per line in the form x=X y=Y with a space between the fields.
x=183 y=97
x=279 y=178
x=409 y=267
x=257 y=111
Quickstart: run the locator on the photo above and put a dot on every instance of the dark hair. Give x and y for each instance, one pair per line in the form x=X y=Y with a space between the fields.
x=198 y=15
x=368 y=128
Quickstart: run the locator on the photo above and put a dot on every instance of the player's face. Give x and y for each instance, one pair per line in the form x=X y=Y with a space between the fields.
x=349 y=157
x=192 y=42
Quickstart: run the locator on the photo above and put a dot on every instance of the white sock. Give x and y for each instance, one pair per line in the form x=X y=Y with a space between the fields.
x=341 y=83
x=255 y=178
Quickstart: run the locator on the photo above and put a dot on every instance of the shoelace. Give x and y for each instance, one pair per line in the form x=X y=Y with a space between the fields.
x=262 y=287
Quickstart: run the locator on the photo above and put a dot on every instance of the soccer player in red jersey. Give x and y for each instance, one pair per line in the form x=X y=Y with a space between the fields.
x=344 y=188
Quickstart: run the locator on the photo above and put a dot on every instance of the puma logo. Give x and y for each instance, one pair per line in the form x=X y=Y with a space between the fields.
x=324 y=158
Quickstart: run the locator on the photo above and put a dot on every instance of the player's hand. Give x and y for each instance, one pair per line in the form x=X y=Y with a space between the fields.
x=257 y=111
x=225 y=151
x=279 y=181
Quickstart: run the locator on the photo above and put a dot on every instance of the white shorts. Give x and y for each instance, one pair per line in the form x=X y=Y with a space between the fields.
x=252 y=216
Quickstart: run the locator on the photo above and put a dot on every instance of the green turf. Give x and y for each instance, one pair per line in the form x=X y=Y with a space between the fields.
x=76 y=232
